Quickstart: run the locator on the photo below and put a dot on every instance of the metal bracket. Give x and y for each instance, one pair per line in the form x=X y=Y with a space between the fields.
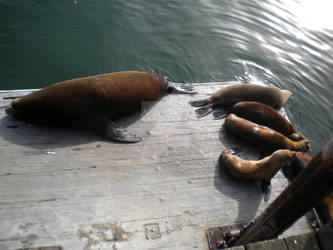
x=219 y=236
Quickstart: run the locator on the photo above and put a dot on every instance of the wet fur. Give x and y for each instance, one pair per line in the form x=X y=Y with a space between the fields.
x=262 y=170
x=232 y=94
x=267 y=116
x=262 y=136
x=91 y=102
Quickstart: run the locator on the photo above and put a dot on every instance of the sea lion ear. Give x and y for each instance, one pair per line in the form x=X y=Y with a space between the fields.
x=111 y=131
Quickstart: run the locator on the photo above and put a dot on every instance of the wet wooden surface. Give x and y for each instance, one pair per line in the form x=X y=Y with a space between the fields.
x=70 y=188
x=320 y=240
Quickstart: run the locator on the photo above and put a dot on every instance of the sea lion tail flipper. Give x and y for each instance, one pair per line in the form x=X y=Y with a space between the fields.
x=201 y=112
x=266 y=189
x=182 y=88
x=111 y=131
x=219 y=113
x=200 y=103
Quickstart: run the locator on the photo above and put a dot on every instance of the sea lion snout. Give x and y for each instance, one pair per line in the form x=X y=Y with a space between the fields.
x=286 y=95
x=10 y=111
x=306 y=146
x=15 y=102
x=224 y=156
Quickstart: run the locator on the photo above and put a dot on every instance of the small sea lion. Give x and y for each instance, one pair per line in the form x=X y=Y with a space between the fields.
x=93 y=102
x=262 y=136
x=232 y=94
x=261 y=170
x=265 y=115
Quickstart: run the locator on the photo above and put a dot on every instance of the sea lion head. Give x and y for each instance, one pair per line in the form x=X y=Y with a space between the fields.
x=287 y=156
x=227 y=159
x=285 y=96
x=305 y=146
x=14 y=112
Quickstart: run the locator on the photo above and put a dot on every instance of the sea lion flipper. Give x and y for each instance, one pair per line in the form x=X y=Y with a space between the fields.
x=182 y=88
x=199 y=103
x=201 y=112
x=111 y=131
x=266 y=189
x=219 y=113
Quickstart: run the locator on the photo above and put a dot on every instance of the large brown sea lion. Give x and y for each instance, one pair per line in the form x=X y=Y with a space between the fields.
x=232 y=94
x=262 y=136
x=93 y=102
x=267 y=116
x=262 y=170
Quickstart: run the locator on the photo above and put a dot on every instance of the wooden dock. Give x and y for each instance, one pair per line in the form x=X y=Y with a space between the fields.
x=70 y=188
x=320 y=240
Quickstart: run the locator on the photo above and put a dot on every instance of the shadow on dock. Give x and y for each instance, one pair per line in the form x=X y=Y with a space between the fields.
x=35 y=136
x=247 y=194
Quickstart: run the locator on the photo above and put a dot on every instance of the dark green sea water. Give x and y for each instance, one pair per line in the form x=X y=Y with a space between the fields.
x=286 y=43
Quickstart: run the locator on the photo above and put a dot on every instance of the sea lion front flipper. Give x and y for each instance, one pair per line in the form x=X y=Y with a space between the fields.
x=266 y=189
x=111 y=131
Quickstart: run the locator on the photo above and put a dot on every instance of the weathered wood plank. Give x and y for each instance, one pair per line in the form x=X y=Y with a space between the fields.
x=276 y=244
x=70 y=188
x=305 y=241
x=237 y=248
x=41 y=248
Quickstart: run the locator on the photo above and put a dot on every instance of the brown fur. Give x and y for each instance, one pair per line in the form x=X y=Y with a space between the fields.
x=261 y=135
x=232 y=94
x=262 y=170
x=78 y=101
x=265 y=115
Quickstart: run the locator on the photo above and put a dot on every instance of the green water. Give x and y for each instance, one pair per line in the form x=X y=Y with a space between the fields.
x=285 y=43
